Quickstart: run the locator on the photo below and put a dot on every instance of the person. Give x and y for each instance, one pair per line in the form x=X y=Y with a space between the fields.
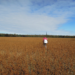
x=45 y=41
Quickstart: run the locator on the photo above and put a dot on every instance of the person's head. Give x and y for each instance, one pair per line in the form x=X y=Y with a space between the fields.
x=44 y=37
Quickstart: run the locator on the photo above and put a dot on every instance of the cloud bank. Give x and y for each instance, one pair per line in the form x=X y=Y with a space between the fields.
x=35 y=17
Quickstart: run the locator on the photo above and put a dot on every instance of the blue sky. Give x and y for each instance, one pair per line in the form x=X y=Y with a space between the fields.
x=56 y=17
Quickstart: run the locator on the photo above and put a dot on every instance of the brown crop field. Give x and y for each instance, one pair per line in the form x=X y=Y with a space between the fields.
x=28 y=56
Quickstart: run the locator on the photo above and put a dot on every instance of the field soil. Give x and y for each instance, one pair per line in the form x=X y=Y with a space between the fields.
x=28 y=56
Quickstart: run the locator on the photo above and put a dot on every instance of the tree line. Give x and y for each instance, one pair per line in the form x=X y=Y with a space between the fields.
x=51 y=36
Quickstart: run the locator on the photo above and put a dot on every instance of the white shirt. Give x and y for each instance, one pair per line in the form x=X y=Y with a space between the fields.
x=45 y=41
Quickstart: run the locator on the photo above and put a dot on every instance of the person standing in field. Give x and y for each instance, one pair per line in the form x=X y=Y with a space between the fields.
x=45 y=41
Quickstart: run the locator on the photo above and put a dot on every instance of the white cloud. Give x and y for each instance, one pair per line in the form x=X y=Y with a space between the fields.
x=31 y=23
x=17 y=17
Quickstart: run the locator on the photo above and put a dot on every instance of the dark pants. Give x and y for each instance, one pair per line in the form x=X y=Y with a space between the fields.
x=44 y=44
